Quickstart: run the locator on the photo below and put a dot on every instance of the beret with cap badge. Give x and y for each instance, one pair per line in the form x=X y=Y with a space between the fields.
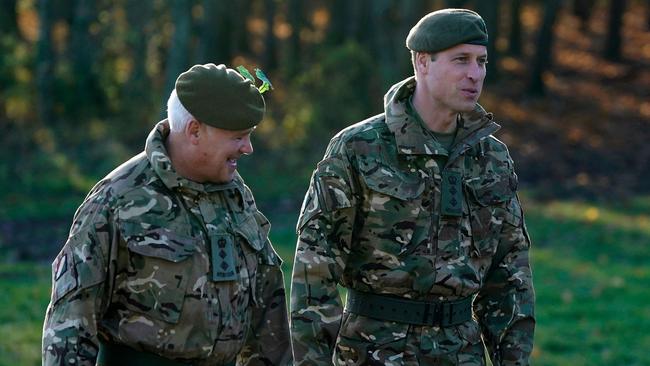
x=446 y=28
x=220 y=97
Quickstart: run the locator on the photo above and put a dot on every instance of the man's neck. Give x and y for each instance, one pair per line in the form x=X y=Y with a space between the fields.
x=436 y=117
x=178 y=155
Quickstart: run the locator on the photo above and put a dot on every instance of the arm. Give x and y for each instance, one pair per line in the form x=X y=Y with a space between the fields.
x=268 y=341
x=325 y=233
x=505 y=305
x=78 y=274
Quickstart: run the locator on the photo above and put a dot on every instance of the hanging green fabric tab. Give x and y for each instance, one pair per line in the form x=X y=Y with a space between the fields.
x=452 y=194
x=223 y=257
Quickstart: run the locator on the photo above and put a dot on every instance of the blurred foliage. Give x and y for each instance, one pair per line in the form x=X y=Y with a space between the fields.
x=83 y=82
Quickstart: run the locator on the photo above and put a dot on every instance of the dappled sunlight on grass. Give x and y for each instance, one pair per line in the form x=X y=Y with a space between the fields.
x=591 y=272
x=589 y=213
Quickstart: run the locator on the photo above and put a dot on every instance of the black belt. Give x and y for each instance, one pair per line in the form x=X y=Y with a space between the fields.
x=111 y=354
x=384 y=307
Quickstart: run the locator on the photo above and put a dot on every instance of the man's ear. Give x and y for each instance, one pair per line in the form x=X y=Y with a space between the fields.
x=193 y=131
x=421 y=61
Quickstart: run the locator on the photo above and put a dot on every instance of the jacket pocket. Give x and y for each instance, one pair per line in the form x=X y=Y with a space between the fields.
x=158 y=269
x=368 y=341
x=490 y=204
x=392 y=209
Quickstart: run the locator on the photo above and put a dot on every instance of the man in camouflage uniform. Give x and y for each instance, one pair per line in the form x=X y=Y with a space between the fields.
x=415 y=212
x=168 y=260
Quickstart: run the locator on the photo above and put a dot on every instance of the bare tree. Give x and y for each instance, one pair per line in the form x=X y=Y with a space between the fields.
x=177 y=55
x=44 y=62
x=489 y=10
x=8 y=23
x=582 y=9
x=514 y=40
x=83 y=50
x=294 y=47
x=612 y=49
x=138 y=15
x=543 y=56
x=270 y=48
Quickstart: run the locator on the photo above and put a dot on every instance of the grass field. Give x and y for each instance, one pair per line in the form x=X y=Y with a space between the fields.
x=590 y=266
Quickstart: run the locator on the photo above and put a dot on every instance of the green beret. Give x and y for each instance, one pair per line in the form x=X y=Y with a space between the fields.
x=220 y=97
x=446 y=28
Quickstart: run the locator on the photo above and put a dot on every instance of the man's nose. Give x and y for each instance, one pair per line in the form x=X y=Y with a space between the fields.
x=475 y=72
x=246 y=147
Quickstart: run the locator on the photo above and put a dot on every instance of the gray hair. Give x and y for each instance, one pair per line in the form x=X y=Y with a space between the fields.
x=177 y=115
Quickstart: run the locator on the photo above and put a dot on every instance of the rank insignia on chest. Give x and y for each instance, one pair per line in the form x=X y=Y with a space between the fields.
x=223 y=257
x=452 y=194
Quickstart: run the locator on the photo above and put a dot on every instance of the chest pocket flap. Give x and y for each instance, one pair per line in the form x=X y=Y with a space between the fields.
x=497 y=191
x=172 y=244
x=389 y=181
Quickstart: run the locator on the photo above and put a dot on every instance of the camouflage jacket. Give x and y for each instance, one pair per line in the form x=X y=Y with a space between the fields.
x=374 y=220
x=168 y=266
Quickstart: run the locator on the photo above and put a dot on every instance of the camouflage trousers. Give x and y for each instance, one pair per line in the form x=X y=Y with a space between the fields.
x=366 y=341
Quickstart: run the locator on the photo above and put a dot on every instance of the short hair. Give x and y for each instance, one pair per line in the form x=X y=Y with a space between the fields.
x=414 y=53
x=177 y=115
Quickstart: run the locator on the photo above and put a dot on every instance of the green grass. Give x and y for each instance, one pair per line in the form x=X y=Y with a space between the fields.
x=590 y=265
x=24 y=297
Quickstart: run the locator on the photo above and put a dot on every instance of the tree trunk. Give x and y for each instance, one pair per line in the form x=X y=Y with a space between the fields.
x=382 y=46
x=455 y=3
x=514 y=41
x=44 y=63
x=8 y=17
x=294 y=47
x=338 y=23
x=270 y=48
x=582 y=9
x=177 y=54
x=240 y=11
x=209 y=29
x=647 y=17
x=139 y=17
x=489 y=10
x=411 y=11
x=360 y=27
x=612 y=49
x=82 y=53
x=543 y=55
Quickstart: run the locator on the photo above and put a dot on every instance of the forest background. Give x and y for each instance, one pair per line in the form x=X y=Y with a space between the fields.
x=82 y=82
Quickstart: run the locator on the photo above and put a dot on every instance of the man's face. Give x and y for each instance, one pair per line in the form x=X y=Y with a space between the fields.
x=218 y=151
x=454 y=78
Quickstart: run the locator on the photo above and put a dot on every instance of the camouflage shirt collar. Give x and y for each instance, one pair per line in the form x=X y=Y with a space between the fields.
x=162 y=164
x=412 y=136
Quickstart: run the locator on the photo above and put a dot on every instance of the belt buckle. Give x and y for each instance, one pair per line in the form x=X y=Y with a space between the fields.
x=432 y=314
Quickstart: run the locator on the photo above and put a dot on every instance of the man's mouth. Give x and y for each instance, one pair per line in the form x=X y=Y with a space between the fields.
x=469 y=92
x=232 y=163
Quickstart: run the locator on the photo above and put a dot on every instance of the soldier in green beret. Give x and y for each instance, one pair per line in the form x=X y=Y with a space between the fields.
x=168 y=261
x=415 y=212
